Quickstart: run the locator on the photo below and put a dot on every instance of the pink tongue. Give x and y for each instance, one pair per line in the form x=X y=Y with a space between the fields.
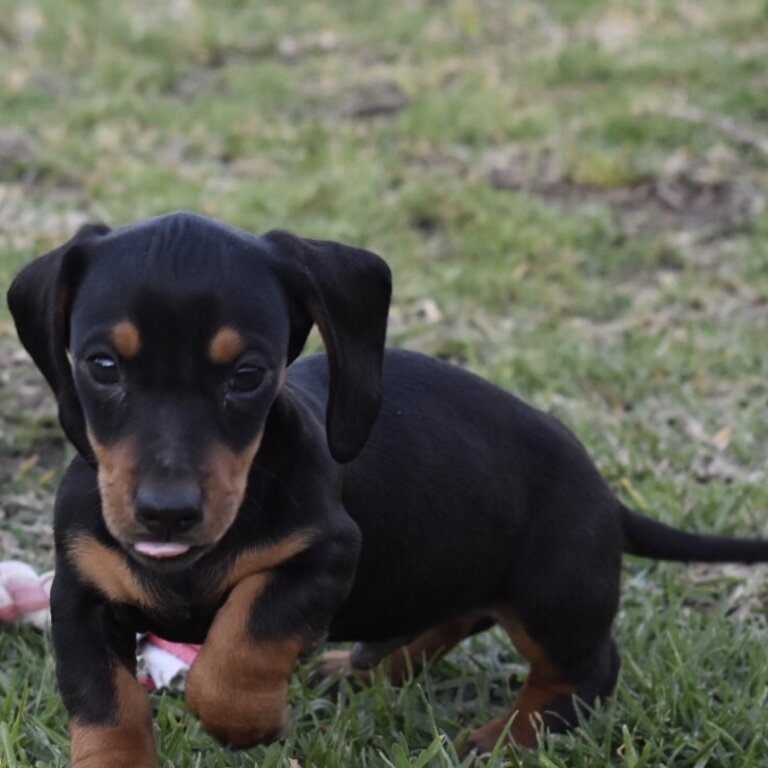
x=161 y=548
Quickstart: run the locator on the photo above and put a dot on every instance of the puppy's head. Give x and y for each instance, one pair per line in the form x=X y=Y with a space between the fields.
x=166 y=344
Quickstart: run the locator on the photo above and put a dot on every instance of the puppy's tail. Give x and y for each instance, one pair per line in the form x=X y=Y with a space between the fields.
x=649 y=538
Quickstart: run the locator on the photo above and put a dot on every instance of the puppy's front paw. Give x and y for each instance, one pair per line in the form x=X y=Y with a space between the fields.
x=238 y=716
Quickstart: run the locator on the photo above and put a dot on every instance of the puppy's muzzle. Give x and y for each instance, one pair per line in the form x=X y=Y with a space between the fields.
x=167 y=510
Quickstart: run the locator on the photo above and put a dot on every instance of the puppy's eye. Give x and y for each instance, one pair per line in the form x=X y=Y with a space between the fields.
x=246 y=378
x=103 y=369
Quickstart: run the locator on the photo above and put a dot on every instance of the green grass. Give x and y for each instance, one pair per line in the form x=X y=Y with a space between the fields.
x=564 y=213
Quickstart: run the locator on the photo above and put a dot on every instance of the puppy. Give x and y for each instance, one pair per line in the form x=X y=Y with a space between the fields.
x=227 y=493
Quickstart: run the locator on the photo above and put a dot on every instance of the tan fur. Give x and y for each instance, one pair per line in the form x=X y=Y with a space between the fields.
x=129 y=742
x=226 y=346
x=107 y=570
x=126 y=339
x=237 y=686
x=224 y=483
x=226 y=477
x=428 y=646
x=542 y=688
x=117 y=484
x=262 y=559
x=532 y=702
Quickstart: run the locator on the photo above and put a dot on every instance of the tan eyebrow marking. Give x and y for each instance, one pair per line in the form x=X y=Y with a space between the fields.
x=126 y=338
x=225 y=346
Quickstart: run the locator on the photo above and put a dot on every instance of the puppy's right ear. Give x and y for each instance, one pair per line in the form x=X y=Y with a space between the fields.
x=40 y=299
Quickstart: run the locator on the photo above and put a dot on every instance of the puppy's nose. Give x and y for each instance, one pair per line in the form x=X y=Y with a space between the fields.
x=169 y=507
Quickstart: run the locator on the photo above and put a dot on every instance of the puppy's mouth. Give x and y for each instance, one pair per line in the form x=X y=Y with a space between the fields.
x=161 y=550
x=165 y=555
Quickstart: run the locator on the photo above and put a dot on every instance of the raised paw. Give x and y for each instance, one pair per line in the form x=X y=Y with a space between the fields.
x=237 y=716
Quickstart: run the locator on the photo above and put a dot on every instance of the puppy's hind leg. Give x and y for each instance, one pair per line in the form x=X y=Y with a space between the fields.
x=547 y=699
x=357 y=662
x=432 y=645
x=563 y=597
x=402 y=655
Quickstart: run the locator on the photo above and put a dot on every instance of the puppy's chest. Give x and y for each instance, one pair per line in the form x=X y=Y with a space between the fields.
x=181 y=604
x=176 y=620
x=187 y=597
x=179 y=609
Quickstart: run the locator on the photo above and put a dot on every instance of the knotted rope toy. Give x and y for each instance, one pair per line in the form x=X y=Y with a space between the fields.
x=25 y=598
x=24 y=595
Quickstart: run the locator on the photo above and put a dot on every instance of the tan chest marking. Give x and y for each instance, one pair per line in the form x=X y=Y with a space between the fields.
x=108 y=571
x=261 y=560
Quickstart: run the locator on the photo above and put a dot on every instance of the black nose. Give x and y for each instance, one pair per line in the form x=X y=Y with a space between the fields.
x=168 y=508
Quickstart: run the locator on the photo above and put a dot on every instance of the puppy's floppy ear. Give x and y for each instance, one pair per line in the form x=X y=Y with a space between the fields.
x=345 y=291
x=40 y=299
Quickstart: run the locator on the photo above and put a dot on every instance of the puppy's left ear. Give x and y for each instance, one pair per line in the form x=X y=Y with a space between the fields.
x=40 y=298
x=345 y=291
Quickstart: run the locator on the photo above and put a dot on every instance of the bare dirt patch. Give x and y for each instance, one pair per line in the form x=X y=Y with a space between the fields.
x=690 y=194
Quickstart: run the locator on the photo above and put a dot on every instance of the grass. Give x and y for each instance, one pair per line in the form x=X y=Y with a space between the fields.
x=566 y=212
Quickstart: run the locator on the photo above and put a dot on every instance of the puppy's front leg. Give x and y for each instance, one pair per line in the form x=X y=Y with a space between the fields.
x=237 y=686
x=110 y=720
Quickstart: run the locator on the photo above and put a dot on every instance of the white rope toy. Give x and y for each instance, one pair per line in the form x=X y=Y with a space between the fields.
x=25 y=597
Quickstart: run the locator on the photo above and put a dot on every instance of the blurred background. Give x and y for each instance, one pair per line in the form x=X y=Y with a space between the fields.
x=572 y=196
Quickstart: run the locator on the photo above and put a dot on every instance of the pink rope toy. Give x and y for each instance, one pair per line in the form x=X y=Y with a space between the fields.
x=25 y=598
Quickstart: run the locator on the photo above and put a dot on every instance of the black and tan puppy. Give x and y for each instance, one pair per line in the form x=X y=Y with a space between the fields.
x=229 y=495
